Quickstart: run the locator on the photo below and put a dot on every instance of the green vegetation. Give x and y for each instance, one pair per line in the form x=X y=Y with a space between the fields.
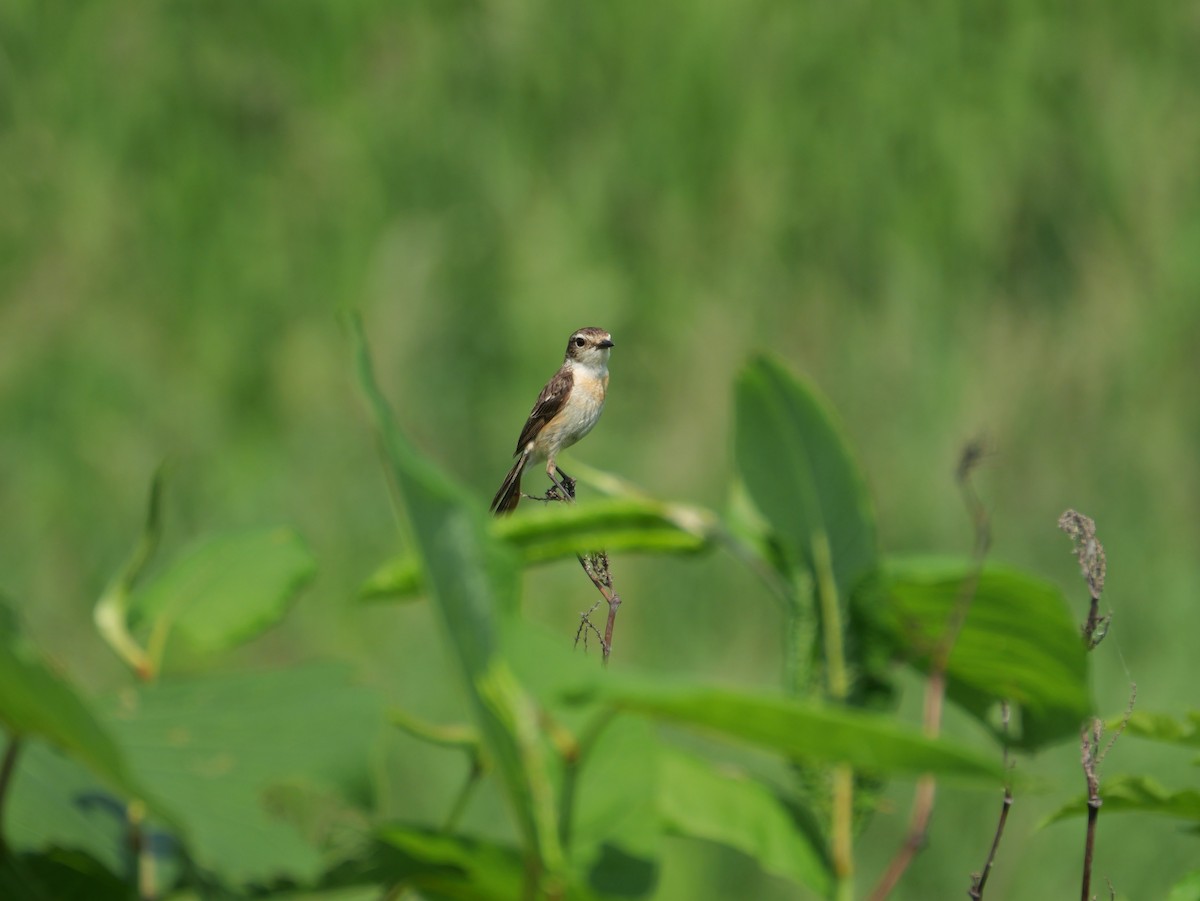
x=958 y=223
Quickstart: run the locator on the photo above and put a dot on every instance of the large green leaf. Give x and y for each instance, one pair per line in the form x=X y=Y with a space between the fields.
x=36 y=702
x=228 y=588
x=1018 y=642
x=224 y=750
x=1135 y=794
x=799 y=471
x=615 y=830
x=472 y=578
x=800 y=731
x=56 y=802
x=557 y=531
x=698 y=800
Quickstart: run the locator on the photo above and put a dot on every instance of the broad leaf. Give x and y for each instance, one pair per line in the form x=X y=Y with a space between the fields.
x=1019 y=641
x=800 y=731
x=56 y=802
x=36 y=702
x=1135 y=794
x=220 y=749
x=700 y=801
x=227 y=589
x=615 y=830
x=799 y=471
x=472 y=578
x=557 y=531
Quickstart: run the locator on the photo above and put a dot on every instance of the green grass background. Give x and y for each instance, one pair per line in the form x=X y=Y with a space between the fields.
x=958 y=221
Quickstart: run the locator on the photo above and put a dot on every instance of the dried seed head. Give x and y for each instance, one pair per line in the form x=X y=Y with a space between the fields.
x=1088 y=549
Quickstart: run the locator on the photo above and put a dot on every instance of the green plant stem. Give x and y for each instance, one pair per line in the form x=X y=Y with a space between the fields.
x=464 y=738
x=7 y=767
x=111 y=610
x=147 y=875
x=574 y=765
x=796 y=633
x=838 y=687
x=474 y=775
x=838 y=679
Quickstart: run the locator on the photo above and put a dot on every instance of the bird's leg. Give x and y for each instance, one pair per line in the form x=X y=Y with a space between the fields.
x=559 y=489
x=568 y=482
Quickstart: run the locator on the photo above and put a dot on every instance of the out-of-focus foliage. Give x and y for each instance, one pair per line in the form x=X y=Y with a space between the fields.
x=954 y=220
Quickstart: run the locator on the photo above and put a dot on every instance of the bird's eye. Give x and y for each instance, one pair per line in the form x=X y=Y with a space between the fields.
x=579 y=342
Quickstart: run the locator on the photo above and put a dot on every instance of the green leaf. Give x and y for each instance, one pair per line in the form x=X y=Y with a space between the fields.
x=556 y=531
x=798 y=470
x=1162 y=727
x=399 y=579
x=227 y=589
x=726 y=806
x=1135 y=794
x=219 y=750
x=472 y=579
x=36 y=702
x=56 y=802
x=801 y=731
x=60 y=875
x=1019 y=641
x=1186 y=889
x=615 y=830
x=447 y=866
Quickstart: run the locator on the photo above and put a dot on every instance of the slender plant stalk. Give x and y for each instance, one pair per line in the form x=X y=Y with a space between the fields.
x=111 y=610
x=935 y=688
x=838 y=686
x=147 y=872
x=1093 y=567
x=1090 y=753
x=979 y=881
x=573 y=766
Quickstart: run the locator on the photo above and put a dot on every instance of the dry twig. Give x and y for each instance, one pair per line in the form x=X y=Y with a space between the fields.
x=596 y=565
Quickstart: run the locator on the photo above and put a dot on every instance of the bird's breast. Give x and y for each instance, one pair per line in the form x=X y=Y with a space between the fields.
x=578 y=415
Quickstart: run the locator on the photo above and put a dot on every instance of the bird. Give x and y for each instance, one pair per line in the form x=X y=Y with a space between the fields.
x=565 y=411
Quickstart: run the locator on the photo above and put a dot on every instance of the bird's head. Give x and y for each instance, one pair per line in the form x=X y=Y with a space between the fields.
x=589 y=347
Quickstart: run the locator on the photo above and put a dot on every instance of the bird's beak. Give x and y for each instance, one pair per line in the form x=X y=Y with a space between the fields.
x=607 y=342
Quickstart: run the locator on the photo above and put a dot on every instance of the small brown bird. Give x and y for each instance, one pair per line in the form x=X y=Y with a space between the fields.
x=566 y=410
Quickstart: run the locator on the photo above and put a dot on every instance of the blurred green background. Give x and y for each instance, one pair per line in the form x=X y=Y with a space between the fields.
x=957 y=221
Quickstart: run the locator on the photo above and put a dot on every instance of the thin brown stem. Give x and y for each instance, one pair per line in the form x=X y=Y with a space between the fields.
x=935 y=688
x=596 y=565
x=979 y=880
x=1089 y=742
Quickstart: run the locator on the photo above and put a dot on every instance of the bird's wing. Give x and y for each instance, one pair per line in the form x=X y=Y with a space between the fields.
x=549 y=402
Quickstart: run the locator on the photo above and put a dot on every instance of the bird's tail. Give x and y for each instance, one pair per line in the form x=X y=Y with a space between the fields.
x=509 y=495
